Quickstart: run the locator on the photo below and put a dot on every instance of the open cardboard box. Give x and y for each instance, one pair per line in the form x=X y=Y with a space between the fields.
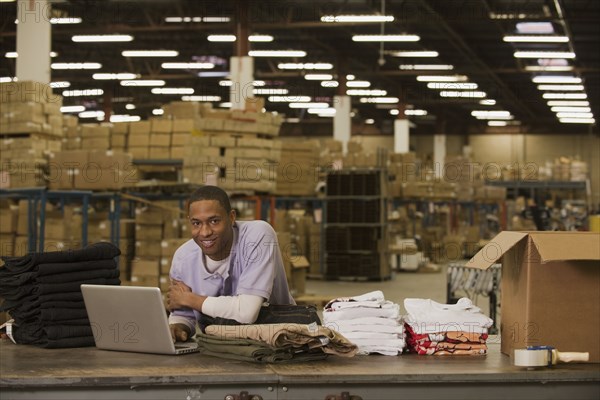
x=550 y=289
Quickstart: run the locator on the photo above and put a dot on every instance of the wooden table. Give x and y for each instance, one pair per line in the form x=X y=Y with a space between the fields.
x=28 y=372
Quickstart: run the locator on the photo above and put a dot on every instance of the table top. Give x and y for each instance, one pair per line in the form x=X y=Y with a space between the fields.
x=29 y=366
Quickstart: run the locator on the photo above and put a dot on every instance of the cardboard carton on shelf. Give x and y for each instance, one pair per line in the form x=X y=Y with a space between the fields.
x=550 y=289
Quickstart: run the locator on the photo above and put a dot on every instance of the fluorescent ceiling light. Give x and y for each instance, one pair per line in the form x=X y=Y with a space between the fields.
x=186 y=65
x=395 y=112
x=556 y=79
x=442 y=78
x=305 y=66
x=452 y=86
x=570 y=109
x=369 y=121
x=260 y=38
x=577 y=120
x=101 y=38
x=143 y=82
x=535 y=39
x=357 y=18
x=289 y=99
x=497 y=123
x=380 y=100
x=487 y=102
x=60 y=84
x=277 y=53
x=65 y=20
x=270 y=91
x=292 y=120
x=549 y=68
x=69 y=109
x=158 y=111
x=386 y=38
x=425 y=67
x=213 y=74
x=84 y=92
x=88 y=65
x=216 y=19
x=417 y=112
x=172 y=91
x=490 y=113
x=358 y=84
x=14 y=54
x=125 y=118
x=230 y=83
x=149 y=53
x=463 y=94
x=535 y=28
x=308 y=105
x=366 y=92
x=318 y=77
x=119 y=76
x=350 y=77
x=91 y=114
x=566 y=88
x=201 y=98
x=221 y=38
x=574 y=115
x=330 y=84
x=544 y=54
x=130 y=106
x=226 y=104
x=569 y=103
x=564 y=96
x=423 y=53
x=321 y=111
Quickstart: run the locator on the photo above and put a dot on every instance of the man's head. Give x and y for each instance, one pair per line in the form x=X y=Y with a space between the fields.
x=212 y=219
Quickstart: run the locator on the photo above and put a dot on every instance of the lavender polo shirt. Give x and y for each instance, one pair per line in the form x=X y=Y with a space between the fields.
x=256 y=267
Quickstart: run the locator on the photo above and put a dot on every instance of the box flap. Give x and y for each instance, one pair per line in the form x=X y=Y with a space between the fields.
x=557 y=246
x=495 y=249
x=300 y=262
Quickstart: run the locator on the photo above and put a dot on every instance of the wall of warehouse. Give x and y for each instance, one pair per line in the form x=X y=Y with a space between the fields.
x=506 y=149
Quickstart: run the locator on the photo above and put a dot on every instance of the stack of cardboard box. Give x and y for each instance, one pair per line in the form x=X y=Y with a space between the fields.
x=30 y=107
x=9 y=214
x=91 y=170
x=31 y=125
x=298 y=169
x=232 y=163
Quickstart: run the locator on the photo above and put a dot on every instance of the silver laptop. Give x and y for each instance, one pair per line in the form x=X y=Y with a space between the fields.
x=131 y=318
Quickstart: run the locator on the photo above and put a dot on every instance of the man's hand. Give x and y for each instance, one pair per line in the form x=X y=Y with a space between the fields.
x=179 y=332
x=176 y=297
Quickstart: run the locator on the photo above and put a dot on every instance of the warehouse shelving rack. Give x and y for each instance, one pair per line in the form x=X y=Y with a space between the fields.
x=355 y=235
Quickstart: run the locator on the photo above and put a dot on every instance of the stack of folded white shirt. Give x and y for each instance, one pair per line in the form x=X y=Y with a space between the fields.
x=443 y=329
x=367 y=320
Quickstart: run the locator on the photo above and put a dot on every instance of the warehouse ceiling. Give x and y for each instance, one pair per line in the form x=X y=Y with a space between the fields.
x=467 y=35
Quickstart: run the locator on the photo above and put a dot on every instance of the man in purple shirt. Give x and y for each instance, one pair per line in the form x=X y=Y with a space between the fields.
x=228 y=268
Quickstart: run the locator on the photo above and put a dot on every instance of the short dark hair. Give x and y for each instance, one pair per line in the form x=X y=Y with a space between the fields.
x=210 y=193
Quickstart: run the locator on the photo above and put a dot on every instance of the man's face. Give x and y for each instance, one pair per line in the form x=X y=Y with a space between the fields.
x=212 y=228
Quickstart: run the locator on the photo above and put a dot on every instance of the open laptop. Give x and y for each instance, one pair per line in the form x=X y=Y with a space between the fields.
x=131 y=318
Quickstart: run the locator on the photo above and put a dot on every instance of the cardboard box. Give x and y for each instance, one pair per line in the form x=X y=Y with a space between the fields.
x=550 y=289
x=300 y=267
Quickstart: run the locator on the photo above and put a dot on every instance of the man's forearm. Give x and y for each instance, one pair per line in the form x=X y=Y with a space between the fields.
x=194 y=301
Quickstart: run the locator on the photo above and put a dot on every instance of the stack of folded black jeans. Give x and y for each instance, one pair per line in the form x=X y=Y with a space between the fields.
x=42 y=293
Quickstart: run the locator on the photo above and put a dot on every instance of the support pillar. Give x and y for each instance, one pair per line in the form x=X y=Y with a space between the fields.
x=342 y=122
x=242 y=66
x=401 y=131
x=33 y=41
